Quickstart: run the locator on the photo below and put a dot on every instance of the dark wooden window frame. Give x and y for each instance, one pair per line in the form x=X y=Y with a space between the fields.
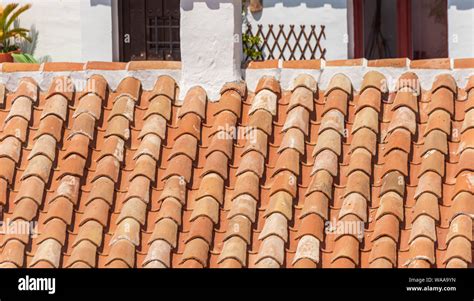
x=138 y=34
x=121 y=23
x=404 y=29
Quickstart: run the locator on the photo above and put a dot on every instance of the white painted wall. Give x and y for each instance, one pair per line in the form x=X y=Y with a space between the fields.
x=210 y=44
x=331 y=13
x=71 y=30
x=96 y=30
x=461 y=28
x=82 y=30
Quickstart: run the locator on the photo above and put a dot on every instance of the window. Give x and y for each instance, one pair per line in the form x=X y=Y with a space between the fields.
x=149 y=30
x=400 y=28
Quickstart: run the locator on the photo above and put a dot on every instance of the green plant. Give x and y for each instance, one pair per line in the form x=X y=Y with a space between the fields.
x=250 y=46
x=24 y=58
x=9 y=36
x=29 y=46
x=250 y=43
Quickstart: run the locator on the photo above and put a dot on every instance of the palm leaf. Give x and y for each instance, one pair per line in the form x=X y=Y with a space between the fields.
x=17 y=33
x=17 y=14
x=18 y=30
x=6 y=11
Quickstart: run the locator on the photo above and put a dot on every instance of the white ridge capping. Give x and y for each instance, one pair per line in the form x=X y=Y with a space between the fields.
x=356 y=75
x=79 y=78
x=252 y=76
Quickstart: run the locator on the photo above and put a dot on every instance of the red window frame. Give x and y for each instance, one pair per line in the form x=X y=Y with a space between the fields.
x=404 y=29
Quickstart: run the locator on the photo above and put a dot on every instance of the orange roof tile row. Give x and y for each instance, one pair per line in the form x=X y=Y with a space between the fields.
x=67 y=66
x=301 y=178
x=444 y=63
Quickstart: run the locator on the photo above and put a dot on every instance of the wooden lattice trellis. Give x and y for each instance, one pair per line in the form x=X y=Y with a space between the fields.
x=295 y=43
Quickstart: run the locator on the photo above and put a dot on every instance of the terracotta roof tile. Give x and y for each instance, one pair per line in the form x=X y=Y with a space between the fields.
x=234 y=248
x=387 y=226
x=305 y=81
x=271 y=248
x=459 y=248
x=334 y=101
x=374 y=79
x=10 y=148
x=401 y=62
x=264 y=100
x=352 y=62
x=405 y=99
x=426 y=204
x=243 y=205
x=328 y=140
x=62 y=66
x=442 y=99
x=26 y=210
x=403 y=118
x=131 y=178
x=49 y=251
x=268 y=83
x=104 y=65
x=303 y=64
x=383 y=248
x=302 y=96
x=339 y=82
x=460 y=226
x=230 y=102
x=431 y=64
x=366 y=138
x=308 y=248
x=366 y=118
x=32 y=188
x=333 y=119
x=316 y=203
x=24 y=67
x=238 y=86
x=239 y=226
x=347 y=247
x=147 y=65
x=370 y=97
x=170 y=208
x=464 y=63
x=326 y=160
x=262 y=64
x=436 y=141
x=17 y=128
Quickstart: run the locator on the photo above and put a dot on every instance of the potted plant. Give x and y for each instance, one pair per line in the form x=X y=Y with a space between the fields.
x=9 y=35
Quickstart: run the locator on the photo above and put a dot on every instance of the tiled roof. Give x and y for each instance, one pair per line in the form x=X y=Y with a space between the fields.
x=264 y=178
